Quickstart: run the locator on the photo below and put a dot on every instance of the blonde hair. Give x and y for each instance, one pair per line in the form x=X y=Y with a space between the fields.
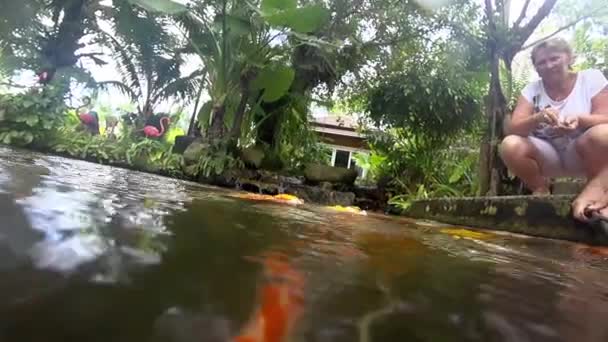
x=554 y=44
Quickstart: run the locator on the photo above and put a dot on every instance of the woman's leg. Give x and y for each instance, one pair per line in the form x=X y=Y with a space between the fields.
x=592 y=148
x=531 y=159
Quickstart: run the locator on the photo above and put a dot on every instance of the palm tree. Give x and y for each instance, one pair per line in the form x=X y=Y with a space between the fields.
x=148 y=58
x=245 y=47
x=46 y=35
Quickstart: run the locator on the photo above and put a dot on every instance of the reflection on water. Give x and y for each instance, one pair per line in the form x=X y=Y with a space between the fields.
x=92 y=253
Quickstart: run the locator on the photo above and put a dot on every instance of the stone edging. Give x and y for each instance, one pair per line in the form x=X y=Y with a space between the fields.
x=543 y=216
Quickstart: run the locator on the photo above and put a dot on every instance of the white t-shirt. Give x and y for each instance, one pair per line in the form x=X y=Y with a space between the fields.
x=588 y=84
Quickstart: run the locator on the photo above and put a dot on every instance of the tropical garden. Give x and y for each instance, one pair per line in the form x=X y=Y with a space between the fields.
x=430 y=82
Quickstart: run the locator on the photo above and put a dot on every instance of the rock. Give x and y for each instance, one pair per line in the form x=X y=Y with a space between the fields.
x=140 y=162
x=567 y=186
x=260 y=188
x=218 y=180
x=182 y=142
x=326 y=186
x=191 y=170
x=313 y=194
x=293 y=180
x=230 y=178
x=370 y=198
x=542 y=216
x=316 y=173
x=194 y=151
x=269 y=177
x=275 y=178
x=273 y=162
x=253 y=156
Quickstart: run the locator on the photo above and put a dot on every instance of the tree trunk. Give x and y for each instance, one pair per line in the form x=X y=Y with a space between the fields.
x=216 y=130
x=245 y=82
x=235 y=133
x=267 y=129
x=490 y=163
x=491 y=167
x=59 y=51
x=193 y=119
x=302 y=84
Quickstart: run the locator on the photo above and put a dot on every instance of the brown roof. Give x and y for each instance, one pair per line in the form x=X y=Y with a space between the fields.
x=336 y=125
x=343 y=122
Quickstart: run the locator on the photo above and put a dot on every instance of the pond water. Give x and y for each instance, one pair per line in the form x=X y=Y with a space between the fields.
x=94 y=253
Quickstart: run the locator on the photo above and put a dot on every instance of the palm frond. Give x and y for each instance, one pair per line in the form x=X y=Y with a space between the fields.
x=123 y=88
x=201 y=39
x=183 y=87
x=143 y=31
x=126 y=64
x=166 y=70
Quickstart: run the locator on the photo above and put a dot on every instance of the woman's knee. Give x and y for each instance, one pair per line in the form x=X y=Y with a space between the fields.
x=513 y=146
x=594 y=141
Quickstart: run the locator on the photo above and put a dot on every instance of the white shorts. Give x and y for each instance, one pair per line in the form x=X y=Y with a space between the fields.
x=565 y=162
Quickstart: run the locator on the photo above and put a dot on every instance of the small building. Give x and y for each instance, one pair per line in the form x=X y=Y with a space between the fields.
x=340 y=135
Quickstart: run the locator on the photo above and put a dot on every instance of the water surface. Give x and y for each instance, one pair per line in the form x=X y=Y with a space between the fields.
x=94 y=253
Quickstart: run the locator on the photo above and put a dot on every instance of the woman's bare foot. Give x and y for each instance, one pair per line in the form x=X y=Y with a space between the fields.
x=600 y=209
x=593 y=198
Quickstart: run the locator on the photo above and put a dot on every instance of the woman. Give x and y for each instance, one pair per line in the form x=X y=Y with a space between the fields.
x=560 y=128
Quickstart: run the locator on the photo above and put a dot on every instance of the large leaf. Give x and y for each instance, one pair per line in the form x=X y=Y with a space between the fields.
x=273 y=5
x=234 y=24
x=305 y=19
x=7 y=138
x=204 y=114
x=31 y=120
x=275 y=80
x=163 y=6
x=27 y=137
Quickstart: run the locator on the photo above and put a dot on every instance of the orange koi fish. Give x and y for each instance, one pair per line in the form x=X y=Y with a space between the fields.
x=351 y=209
x=281 y=303
x=459 y=233
x=281 y=198
x=582 y=249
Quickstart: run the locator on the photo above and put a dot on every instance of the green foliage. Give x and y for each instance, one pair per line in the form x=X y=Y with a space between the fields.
x=47 y=35
x=417 y=168
x=432 y=99
x=514 y=83
x=450 y=176
x=246 y=63
x=591 y=46
x=275 y=81
x=163 y=6
x=148 y=154
x=373 y=162
x=298 y=143
x=278 y=5
x=216 y=159
x=33 y=116
x=303 y=20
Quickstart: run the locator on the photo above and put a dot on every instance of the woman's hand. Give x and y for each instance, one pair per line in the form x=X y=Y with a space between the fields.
x=567 y=126
x=550 y=116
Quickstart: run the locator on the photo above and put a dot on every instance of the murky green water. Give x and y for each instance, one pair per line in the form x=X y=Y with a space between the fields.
x=93 y=253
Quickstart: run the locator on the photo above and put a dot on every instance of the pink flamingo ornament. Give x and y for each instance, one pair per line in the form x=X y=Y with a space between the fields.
x=86 y=118
x=152 y=132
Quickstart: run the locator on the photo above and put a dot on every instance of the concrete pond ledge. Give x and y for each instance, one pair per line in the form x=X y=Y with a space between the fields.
x=542 y=216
